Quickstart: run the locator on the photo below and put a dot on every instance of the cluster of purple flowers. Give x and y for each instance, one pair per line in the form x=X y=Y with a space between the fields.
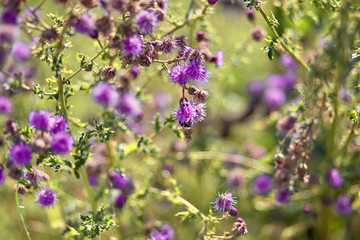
x=123 y=183
x=273 y=91
x=193 y=70
x=189 y=112
x=165 y=232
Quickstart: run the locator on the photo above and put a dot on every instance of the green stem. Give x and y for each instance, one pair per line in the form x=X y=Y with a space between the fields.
x=21 y=216
x=111 y=156
x=286 y=47
x=61 y=95
x=88 y=188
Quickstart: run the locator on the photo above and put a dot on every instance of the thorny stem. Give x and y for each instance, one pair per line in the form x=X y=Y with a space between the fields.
x=286 y=47
x=21 y=216
x=350 y=137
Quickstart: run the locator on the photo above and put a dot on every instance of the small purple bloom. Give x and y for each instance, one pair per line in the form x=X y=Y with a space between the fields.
x=307 y=208
x=250 y=14
x=8 y=33
x=105 y=94
x=45 y=197
x=35 y=176
x=274 y=98
x=161 y=99
x=62 y=142
x=218 y=58
x=93 y=180
x=129 y=105
x=21 y=50
x=233 y=211
x=167 y=231
x=334 y=178
x=132 y=46
x=167 y=45
x=212 y=2
x=196 y=71
x=224 y=202
x=20 y=153
x=288 y=61
x=262 y=184
x=118 y=179
x=179 y=75
x=343 y=205
x=283 y=196
x=85 y=24
x=120 y=201
x=41 y=120
x=135 y=70
x=58 y=124
x=5 y=105
x=147 y=21
x=156 y=235
x=258 y=34
x=8 y=16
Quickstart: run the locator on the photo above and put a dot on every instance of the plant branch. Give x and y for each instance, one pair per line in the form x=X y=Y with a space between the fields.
x=18 y=207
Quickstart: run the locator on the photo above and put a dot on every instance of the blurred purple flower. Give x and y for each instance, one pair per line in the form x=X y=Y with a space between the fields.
x=147 y=21
x=21 y=50
x=120 y=201
x=255 y=89
x=161 y=99
x=41 y=119
x=8 y=16
x=283 y=196
x=235 y=178
x=45 y=197
x=105 y=94
x=58 y=124
x=132 y=46
x=2 y=174
x=218 y=58
x=5 y=105
x=334 y=178
x=129 y=105
x=343 y=205
x=85 y=24
x=62 y=142
x=8 y=33
x=20 y=153
x=288 y=61
x=274 y=98
x=262 y=184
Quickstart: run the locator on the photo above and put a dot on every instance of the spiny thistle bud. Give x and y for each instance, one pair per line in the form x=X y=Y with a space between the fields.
x=22 y=189
x=239 y=228
x=108 y=72
x=49 y=34
x=200 y=35
x=233 y=212
x=258 y=34
x=202 y=95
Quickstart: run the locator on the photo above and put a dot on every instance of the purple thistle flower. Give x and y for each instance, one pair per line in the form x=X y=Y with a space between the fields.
x=167 y=45
x=135 y=70
x=167 y=231
x=93 y=180
x=147 y=21
x=132 y=46
x=224 y=202
x=58 y=124
x=21 y=50
x=274 y=98
x=129 y=105
x=118 y=179
x=343 y=205
x=45 y=197
x=62 y=142
x=334 y=178
x=218 y=58
x=283 y=196
x=179 y=75
x=41 y=120
x=288 y=61
x=255 y=89
x=20 y=153
x=35 y=176
x=262 y=184
x=5 y=105
x=196 y=71
x=120 y=201
x=85 y=24
x=105 y=94
x=2 y=174
x=189 y=113
x=8 y=16
x=156 y=235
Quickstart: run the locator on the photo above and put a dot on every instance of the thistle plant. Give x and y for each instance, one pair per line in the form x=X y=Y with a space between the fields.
x=158 y=119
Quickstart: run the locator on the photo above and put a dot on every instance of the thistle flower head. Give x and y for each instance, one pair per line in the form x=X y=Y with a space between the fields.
x=45 y=197
x=334 y=178
x=283 y=196
x=62 y=142
x=262 y=184
x=58 y=124
x=146 y=21
x=105 y=94
x=189 y=113
x=41 y=119
x=343 y=205
x=20 y=50
x=20 y=153
x=224 y=202
x=196 y=71
x=132 y=46
x=179 y=75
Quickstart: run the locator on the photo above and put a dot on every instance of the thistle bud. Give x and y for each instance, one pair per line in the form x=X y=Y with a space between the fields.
x=108 y=72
